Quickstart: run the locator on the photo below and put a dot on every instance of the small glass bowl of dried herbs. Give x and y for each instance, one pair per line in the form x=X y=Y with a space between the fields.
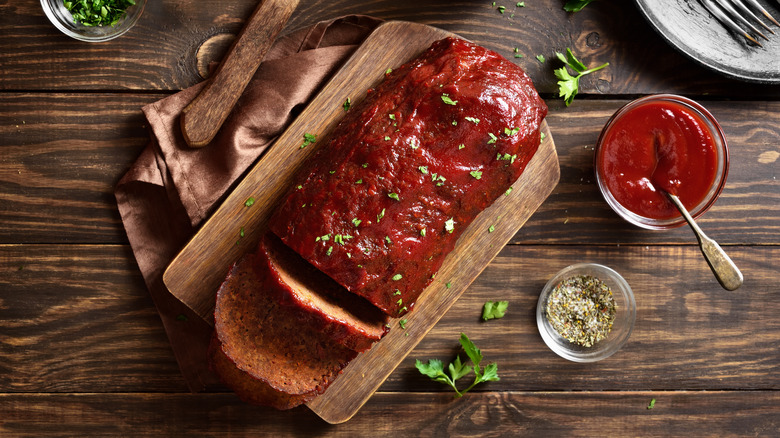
x=93 y=20
x=586 y=312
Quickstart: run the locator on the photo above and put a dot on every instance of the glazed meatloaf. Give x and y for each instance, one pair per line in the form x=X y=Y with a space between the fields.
x=268 y=346
x=409 y=168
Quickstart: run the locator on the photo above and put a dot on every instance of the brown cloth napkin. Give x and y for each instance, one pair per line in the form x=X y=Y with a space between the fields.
x=172 y=188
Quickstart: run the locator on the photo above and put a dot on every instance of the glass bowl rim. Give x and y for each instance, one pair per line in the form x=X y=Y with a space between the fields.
x=605 y=348
x=720 y=179
x=71 y=29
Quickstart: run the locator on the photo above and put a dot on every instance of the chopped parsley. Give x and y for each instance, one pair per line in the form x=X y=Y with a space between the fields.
x=402 y=324
x=508 y=191
x=491 y=228
x=422 y=232
x=494 y=310
x=330 y=251
x=387 y=239
x=380 y=215
x=446 y=99
x=493 y=138
x=473 y=120
x=308 y=139
x=423 y=169
x=360 y=181
x=392 y=116
x=476 y=174
x=461 y=146
x=340 y=238
x=249 y=202
x=397 y=277
x=511 y=132
x=356 y=221
x=324 y=238
x=393 y=196
x=387 y=138
x=540 y=58
x=412 y=144
x=449 y=225
x=652 y=404
x=388 y=71
x=347 y=104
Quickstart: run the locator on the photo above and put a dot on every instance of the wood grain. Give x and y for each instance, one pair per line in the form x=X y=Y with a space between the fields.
x=62 y=154
x=78 y=318
x=602 y=413
x=160 y=52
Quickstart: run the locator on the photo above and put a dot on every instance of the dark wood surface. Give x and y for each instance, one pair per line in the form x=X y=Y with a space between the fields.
x=82 y=350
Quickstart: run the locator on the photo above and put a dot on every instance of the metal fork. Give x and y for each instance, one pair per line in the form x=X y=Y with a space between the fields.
x=740 y=18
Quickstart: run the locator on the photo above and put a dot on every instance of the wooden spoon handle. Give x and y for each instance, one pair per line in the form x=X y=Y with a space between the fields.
x=203 y=117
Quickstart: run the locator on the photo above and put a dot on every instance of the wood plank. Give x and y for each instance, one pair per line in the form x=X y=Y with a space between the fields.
x=35 y=56
x=675 y=413
x=78 y=318
x=62 y=155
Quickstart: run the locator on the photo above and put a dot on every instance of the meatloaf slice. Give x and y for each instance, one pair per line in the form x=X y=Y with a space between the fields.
x=279 y=357
x=329 y=308
x=383 y=202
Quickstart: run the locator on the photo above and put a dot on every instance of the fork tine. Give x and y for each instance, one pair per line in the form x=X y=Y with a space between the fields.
x=741 y=6
x=728 y=22
x=730 y=9
x=761 y=9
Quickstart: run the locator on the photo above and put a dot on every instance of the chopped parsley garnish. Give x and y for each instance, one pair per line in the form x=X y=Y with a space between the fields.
x=402 y=324
x=507 y=157
x=493 y=138
x=364 y=165
x=508 y=191
x=510 y=132
x=241 y=232
x=324 y=238
x=249 y=202
x=569 y=85
x=540 y=58
x=98 y=13
x=520 y=4
x=397 y=277
x=575 y=5
x=387 y=239
x=422 y=232
x=397 y=292
x=380 y=215
x=388 y=71
x=454 y=123
x=501 y=9
x=476 y=174
x=423 y=169
x=449 y=225
x=347 y=104
x=461 y=146
x=387 y=138
x=473 y=120
x=340 y=238
x=494 y=310
x=434 y=369
x=652 y=404
x=491 y=228
x=446 y=99
x=308 y=139
x=356 y=221
x=393 y=196
x=448 y=285
x=360 y=181
x=412 y=144
x=330 y=251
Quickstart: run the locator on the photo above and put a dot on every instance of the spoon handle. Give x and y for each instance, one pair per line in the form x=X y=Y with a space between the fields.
x=727 y=273
x=203 y=117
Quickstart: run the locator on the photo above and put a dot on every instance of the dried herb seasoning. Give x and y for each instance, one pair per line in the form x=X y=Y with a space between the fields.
x=581 y=309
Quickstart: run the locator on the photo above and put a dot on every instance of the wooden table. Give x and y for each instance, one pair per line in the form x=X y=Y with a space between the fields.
x=82 y=349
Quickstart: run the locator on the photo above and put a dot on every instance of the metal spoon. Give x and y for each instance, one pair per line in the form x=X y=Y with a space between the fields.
x=727 y=273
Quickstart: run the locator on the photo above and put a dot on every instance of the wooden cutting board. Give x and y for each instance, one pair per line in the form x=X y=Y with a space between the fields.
x=235 y=228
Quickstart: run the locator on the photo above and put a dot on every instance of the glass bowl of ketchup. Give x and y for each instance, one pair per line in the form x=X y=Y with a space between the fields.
x=656 y=144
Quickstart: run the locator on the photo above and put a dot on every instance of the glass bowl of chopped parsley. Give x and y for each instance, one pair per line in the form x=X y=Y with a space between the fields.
x=93 y=20
x=586 y=312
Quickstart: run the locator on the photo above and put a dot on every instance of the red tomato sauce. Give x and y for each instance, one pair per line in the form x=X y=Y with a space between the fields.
x=655 y=147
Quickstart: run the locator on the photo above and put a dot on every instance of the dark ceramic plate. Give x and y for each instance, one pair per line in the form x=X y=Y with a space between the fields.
x=691 y=29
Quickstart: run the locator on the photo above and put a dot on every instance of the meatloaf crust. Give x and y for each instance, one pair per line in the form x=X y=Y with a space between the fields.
x=409 y=168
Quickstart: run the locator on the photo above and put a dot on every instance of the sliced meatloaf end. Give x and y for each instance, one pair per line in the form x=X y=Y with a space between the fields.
x=324 y=305
x=277 y=358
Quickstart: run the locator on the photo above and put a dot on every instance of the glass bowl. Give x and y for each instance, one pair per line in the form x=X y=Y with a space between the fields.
x=62 y=20
x=625 y=308
x=721 y=167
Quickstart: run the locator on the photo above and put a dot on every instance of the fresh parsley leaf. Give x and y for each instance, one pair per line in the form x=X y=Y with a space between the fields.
x=490 y=230
x=397 y=277
x=446 y=99
x=569 y=85
x=308 y=139
x=476 y=174
x=347 y=104
x=652 y=404
x=434 y=369
x=402 y=323
x=393 y=196
x=249 y=202
x=575 y=5
x=540 y=58
x=494 y=310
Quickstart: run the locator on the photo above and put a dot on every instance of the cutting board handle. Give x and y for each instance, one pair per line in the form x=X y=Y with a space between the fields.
x=202 y=118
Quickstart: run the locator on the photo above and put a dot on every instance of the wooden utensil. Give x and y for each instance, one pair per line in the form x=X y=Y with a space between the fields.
x=202 y=118
x=197 y=271
x=727 y=273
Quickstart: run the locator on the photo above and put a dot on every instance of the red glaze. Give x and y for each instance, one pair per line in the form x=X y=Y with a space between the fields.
x=657 y=146
x=342 y=215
